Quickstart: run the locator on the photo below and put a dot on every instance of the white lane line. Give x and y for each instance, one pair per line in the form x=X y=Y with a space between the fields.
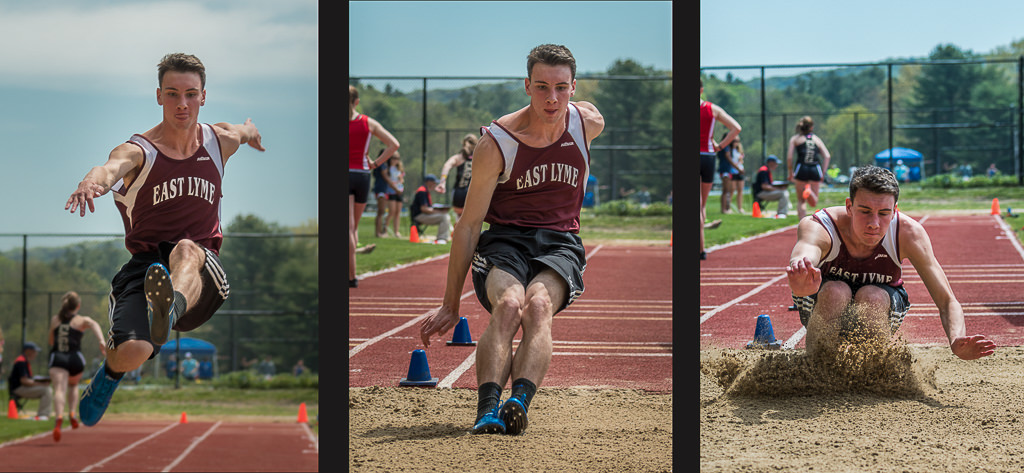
x=454 y=376
x=312 y=438
x=191 y=446
x=129 y=448
x=739 y=299
x=362 y=346
x=401 y=266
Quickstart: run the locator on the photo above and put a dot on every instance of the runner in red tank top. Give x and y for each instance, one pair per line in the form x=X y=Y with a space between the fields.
x=167 y=186
x=845 y=267
x=360 y=129
x=709 y=115
x=529 y=173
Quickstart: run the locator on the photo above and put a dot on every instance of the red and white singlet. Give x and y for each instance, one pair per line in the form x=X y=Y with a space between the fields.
x=541 y=187
x=173 y=199
x=707 y=127
x=358 y=143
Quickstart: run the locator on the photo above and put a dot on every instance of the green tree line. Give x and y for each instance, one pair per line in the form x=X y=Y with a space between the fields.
x=636 y=113
x=273 y=278
x=953 y=107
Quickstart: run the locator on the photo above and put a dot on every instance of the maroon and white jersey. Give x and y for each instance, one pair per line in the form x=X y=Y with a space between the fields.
x=541 y=187
x=173 y=199
x=882 y=266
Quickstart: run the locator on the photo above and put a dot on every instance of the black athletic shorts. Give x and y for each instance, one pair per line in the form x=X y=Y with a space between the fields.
x=359 y=185
x=899 y=303
x=707 y=167
x=128 y=317
x=459 y=197
x=805 y=172
x=73 y=361
x=524 y=253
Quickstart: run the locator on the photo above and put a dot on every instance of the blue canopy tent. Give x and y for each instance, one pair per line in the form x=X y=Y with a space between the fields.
x=203 y=351
x=911 y=158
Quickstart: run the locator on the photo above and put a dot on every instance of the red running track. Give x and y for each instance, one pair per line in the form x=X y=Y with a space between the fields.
x=166 y=446
x=618 y=334
x=982 y=259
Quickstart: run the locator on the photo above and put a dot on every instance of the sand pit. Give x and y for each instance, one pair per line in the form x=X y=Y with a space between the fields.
x=571 y=430
x=898 y=409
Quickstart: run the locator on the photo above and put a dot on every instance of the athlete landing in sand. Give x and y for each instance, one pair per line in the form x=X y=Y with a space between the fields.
x=530 y=170
x=166 y=183
x=851 y=257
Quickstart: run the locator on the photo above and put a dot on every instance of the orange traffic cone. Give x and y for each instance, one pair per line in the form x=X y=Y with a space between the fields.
x=414 y=235
x=995 y=206
x=757 y=211
x=184 y=418
x=12 y=410
x=302 y=414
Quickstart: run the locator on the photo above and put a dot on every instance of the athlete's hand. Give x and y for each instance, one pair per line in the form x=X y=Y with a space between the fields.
x=254 y=137
x=804 y=278
x=83 y=196
x=439 y=188
x=972 y=347
x=439 y=321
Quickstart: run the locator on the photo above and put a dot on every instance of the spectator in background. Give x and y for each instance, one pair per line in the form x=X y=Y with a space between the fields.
x=463 y=164
x=730 y=169
x=395 y=176
x=171 y=366
x=266 y=368
x=763 y=190
x=992 y=171
x=422 y=210
x=189 y=367
x=901 y=171
x=299 y=368
x=380 y=192
x=24 y=385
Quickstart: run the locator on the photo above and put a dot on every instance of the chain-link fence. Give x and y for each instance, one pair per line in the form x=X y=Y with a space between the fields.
x=962 y=115
x=272 y=310
x=633 y=151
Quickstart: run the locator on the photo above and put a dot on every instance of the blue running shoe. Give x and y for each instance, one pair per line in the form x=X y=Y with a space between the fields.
x=513 y=413
x=490 y=423
x=96 y=396
x=159 y=302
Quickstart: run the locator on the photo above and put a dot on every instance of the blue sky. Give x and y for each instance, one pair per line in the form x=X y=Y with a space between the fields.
x=79 y=78
x=755 y=32
x=493 y=38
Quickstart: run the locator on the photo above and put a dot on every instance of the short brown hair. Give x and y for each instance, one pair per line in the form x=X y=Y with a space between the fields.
x=552 y=55
x=181 y=62
x=875 y=179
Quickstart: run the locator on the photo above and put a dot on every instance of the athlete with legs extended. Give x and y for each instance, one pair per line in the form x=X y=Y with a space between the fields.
x=530 y=171
x=166 y=183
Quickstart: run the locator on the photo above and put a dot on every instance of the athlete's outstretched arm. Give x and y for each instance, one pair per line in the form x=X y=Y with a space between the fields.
x=917 y=248
x=233 y=136
x=487 y=165
x=122 y=160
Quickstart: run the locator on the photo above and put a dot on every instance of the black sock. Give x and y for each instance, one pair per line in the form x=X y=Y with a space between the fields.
x=179 y=305
x=489 y=396
x=526 y=388
x=111 y=373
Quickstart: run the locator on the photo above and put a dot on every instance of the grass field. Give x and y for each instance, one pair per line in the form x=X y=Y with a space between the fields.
x=913 y=199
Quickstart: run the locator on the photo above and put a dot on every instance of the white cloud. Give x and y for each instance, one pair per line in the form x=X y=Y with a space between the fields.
x=61 y=44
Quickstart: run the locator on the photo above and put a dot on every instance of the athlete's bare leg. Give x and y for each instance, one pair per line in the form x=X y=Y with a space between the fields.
x=546 y=293
x=128 y=355
x=185 y=261
x=494 y=349
x=59 y=381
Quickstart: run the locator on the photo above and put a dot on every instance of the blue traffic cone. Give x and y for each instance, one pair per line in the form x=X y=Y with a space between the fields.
x=419 y=372
x=764 y=336
x=461 y=336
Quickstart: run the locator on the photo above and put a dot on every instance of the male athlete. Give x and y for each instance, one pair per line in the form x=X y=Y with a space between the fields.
x=846 y=264
x=530 y=171
x=166 y=183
